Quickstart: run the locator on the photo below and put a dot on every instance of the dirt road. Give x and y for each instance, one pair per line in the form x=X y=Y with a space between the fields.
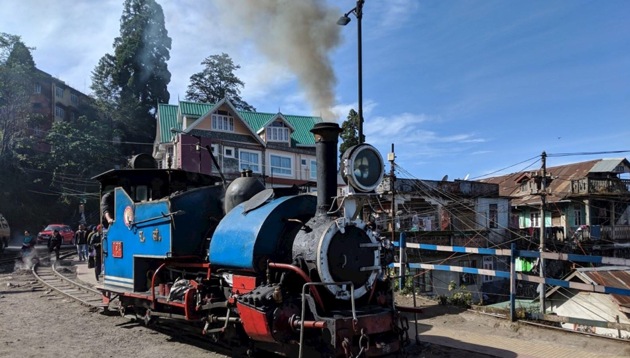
x=38 y=323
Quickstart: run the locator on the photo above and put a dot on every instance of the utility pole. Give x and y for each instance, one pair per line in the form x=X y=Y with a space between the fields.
x=543 y=199
x=392 y=178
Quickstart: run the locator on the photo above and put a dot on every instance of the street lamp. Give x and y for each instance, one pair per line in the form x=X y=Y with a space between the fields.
x=343 y=21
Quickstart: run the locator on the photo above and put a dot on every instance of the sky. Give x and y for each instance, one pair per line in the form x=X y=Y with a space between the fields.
x=462 y=88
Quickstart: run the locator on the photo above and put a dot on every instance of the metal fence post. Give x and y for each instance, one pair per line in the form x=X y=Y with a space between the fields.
x=513 y=282
x=401 y=282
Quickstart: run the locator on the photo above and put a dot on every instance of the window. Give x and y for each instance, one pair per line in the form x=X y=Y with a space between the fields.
x=493 y=214
x=222 y=123
x=215 y=149
x=577 y=215
x=488 y=264
x=37 y=88
x=60 y=112
x=228 y=152
x=74 y=98
x=313 y=173
x=277 y=132
x=524 y=187
x=280 y=165
x=535 y=219
x=249 y=160
x=423 y=280
x=465 y=278
x=58 y=91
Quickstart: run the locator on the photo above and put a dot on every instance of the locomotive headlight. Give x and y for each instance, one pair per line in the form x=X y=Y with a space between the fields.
x=362 y=167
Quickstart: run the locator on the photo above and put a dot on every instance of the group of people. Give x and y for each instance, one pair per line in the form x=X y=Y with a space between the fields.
x=54 y=243
x=89 y=247
x=88 y=242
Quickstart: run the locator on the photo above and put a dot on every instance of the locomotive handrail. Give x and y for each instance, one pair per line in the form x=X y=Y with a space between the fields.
x=153 y=284
x=178 y=212
x=312 y=284
x=302 y=274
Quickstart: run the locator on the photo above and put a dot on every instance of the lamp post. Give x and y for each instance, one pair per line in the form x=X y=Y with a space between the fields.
x=343 y=21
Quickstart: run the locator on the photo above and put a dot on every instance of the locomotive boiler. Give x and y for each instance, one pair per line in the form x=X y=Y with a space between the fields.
x=272 y=270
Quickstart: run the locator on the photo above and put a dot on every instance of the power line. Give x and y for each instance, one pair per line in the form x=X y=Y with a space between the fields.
x=587 y=153
x=513 y=165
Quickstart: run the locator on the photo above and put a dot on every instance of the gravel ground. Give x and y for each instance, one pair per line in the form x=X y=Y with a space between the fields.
x=39 y=323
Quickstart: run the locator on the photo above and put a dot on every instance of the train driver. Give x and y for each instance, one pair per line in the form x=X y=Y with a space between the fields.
x=107 y=208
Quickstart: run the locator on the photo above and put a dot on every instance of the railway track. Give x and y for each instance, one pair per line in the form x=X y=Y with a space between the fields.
x=59 y=276
x=8 y=258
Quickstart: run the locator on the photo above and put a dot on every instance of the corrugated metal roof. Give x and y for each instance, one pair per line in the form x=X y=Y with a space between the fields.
x=194 y=109
x=302 y=135
x=610 y=277
x=167 y=114
x=609 y=166
x=560 y=187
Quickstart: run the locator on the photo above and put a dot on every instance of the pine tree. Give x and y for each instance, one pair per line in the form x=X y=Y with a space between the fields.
x=349 y=132
x=133 y=80
x=17 y=71
x=217 y=81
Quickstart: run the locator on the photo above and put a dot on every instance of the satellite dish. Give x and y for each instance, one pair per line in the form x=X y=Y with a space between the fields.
x=445 y=178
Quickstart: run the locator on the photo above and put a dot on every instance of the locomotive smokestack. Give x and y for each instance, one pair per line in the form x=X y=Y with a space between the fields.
x=326 y=139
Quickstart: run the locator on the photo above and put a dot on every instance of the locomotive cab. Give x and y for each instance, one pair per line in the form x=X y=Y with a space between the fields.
x=158 y=214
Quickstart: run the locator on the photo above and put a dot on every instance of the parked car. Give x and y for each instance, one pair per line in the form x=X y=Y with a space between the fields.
x=65 y=230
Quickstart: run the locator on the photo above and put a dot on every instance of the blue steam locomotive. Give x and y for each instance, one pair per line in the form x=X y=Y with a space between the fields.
x=256 y=269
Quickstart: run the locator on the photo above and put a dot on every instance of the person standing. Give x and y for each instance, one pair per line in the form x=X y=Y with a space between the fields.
x=80 y=239
x=90 y=247
x=95 y=243
x=54 y=244
x=27 y=243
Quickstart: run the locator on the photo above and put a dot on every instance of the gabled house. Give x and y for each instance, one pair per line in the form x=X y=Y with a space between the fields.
x=279 y=148
x=594 y=306
x=587 y=206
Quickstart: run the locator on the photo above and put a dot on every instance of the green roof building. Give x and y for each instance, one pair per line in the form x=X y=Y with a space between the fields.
x=277 y=147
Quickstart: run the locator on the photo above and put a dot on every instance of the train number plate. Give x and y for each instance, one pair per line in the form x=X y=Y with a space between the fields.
x=117 y=249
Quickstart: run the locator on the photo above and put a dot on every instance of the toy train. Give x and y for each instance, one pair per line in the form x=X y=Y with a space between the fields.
x=258 y=270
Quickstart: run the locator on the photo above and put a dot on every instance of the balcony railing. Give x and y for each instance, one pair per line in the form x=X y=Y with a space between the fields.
x=617 y=233
x=600 y=186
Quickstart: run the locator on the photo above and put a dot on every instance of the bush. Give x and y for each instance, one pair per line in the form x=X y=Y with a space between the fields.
x=460 y=297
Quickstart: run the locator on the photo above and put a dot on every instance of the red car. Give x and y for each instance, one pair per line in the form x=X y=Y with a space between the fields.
x=65 y=230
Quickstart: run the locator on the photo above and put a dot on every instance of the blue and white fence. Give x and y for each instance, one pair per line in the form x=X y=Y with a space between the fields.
x=513 y=254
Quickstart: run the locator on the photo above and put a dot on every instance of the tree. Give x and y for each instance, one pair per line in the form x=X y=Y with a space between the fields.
x=24 y=195
x=349 y=132
x=134 y=80
x=79 y=150
x=217 y=81
x=17 y=70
